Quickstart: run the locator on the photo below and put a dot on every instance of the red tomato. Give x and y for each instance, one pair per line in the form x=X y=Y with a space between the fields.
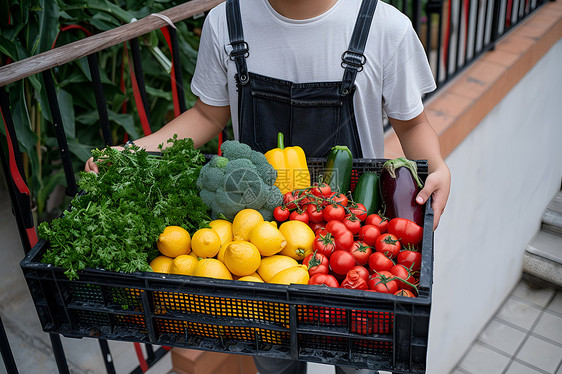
x=383 y=282
x=403 y=273
x=289 y=200
x=353 y=280
x=316 y=225
x=342 y=236
x=324 y=244
x=339 y=199
x=361 y=252
x=367 y=322
x=380 y=222
x=281 y=213
x=296 y=216
x=379 y=262
x=317 y=263
x=407 y=231
x=321 y=190
x=321 y=230
x=369 y=234
x=410 y=259
x=333 y=212
x=360 y=211
x=326 y=279
x=341 y=262
x=363 y=272
x=352 y=223
x=388 y=244
x=405 y=293
x=314 y=213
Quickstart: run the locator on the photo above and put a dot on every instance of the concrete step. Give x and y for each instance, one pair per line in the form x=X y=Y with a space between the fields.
x=543 y=256
x=552 y=217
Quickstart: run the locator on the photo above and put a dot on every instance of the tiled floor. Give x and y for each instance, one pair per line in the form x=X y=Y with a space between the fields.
x=525 y=336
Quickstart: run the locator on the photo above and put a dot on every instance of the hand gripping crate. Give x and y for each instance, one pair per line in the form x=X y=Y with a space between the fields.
x=361 y=329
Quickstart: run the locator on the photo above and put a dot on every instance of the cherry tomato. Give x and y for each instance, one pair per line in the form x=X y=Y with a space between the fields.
x=361 y=252
x=380 y=222
x=296 y=216
x=360 y=211
x=369 y=234
x=339 y=199
x=406 y=230
x=321 y=230
x=410 y=259
x=363 y=271
x=342 y=236
x=341 y=262
x=352 y=223
x=326 y=279
x=316 y=225
x=379 y=262
x=317 y=263
x=324 y=244
x=289 y=200
x=388 y=244
x=321 y=190
x=405 y=293
x=281 y=213
x=333 y=212
x=353 y=280
x=314 y=213
x=402 y=272
x=383 y=282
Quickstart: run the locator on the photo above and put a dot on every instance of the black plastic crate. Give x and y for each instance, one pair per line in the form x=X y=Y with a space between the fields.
x=361 y=329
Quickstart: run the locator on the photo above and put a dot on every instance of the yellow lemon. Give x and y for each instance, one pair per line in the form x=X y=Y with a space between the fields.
x=300 y=239
x=184 y=264
x=267 y=238
x=206 y=243
x=162 y=264
x=192 y=254
x=174 y=241
x=295 y=274
x=242 y=258
x=223 y=228
x=211 y=268
x=272 y=265
x=243 y=223
x=254 y=277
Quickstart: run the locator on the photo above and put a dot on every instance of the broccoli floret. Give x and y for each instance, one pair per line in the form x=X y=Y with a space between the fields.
x=233 y=150
x=209 y=198
x=210 y=177
x=274 y=198
x=227 y=204
x=218 y=162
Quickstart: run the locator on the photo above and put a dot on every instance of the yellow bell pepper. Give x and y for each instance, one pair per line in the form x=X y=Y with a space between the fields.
x=291 y=166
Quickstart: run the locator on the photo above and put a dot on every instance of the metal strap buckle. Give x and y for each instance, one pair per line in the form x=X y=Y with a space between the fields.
x=353 y=59
x=239 y=49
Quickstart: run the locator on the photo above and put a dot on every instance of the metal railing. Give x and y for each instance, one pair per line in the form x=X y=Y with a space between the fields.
x=454 y=33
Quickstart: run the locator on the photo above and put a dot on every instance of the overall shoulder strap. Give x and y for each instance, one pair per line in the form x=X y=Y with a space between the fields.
x=236 y=34
x=353 y=59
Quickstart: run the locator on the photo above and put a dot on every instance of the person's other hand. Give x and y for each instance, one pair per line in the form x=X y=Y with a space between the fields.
x=437 y=185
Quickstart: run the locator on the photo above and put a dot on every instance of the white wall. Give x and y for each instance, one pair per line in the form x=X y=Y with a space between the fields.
x=503 y=176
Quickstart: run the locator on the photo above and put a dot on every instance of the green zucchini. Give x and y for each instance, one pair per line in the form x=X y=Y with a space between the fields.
x=367 y=192
x=337 y=169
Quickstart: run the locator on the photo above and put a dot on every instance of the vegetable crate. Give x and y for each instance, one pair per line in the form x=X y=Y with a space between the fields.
x=346 y=327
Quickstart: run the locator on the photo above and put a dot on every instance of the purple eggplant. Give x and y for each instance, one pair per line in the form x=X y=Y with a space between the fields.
x=399 y=185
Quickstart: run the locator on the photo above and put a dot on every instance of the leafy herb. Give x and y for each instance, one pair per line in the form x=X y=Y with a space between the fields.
x=115 y=222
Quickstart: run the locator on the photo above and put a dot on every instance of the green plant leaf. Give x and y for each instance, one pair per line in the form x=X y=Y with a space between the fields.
x=125 y=121
x=67 y=113
x=49 y=25
x=7 y=48
x=20 y=117
x=82 y=151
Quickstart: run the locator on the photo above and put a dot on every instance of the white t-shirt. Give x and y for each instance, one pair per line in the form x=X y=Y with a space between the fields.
x=395 y=75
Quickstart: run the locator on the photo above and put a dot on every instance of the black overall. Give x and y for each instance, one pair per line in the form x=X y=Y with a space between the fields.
x=267 y=106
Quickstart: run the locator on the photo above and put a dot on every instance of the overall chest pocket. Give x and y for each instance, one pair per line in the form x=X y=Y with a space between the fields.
x=308 y=117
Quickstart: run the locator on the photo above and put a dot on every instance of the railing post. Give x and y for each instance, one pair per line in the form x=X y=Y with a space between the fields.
x=7 y=355
x=495 y=23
